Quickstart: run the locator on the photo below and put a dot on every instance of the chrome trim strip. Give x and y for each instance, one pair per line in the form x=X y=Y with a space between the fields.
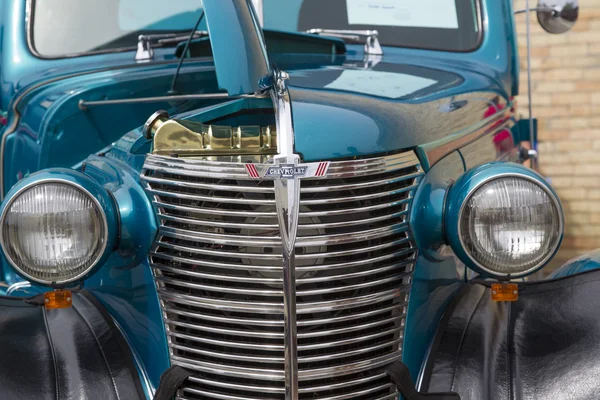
x=227 y=370
x=223 y=305
x=222 y=342
x=342 y=384
x=235 y=386
x=221 y=253
x=150 y=390
x=212 y=199
x=359 y=366
x=17 y=286
x=228 y=319
x=216 y=187
x=287 y=196
x=85 y=104
x=214 y=210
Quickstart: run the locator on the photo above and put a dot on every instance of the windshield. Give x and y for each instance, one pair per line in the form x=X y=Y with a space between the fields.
x=67 y=27
x=451 y=25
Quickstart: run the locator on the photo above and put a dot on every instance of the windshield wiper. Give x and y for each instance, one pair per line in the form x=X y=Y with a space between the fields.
x=372 y=45
x=145 y=51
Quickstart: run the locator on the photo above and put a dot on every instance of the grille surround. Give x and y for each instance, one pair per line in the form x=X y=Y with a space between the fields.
x=217 y=268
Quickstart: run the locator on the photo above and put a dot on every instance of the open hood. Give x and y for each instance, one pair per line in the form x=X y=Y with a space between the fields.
x=238 y=45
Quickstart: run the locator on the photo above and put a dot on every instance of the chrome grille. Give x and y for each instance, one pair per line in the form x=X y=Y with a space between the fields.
x=217 y=266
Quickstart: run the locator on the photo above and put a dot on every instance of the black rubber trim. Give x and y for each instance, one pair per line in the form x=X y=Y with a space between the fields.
x=400 y=375
x=170 y=381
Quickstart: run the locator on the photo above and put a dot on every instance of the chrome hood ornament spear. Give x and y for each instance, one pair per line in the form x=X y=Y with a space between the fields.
x=286 y=171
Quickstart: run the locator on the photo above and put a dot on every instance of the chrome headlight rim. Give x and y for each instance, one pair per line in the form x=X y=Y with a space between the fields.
x=81 y=188
x=541 y=184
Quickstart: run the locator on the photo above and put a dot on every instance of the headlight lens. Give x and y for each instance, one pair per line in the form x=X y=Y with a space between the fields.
x=510 y=225
x=54 y=232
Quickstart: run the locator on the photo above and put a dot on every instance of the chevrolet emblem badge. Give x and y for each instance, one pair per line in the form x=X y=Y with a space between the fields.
x=287 y=171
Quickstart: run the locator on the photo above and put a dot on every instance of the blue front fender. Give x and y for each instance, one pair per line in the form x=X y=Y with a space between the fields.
x=584 y=263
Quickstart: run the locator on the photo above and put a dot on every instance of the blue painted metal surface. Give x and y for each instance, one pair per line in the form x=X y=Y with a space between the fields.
x=438 y=272
x=587 y=262
x=333 y=118
x=125 y=284
x=230 y=24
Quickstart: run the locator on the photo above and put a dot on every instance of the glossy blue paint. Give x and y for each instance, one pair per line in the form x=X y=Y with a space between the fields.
x=463 y=188
x=369 y=122
x=52 y=124
x=130 y=297
x=438 y=273
x=137 y=230
x=87 y=184
x=125 y=284
x=236 y=40
x=587 y=262
x=334 y=117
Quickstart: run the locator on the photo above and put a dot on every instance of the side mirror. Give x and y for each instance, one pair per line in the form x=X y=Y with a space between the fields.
x=557 y=16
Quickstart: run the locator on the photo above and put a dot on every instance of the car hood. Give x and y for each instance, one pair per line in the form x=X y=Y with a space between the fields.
x=348 y=110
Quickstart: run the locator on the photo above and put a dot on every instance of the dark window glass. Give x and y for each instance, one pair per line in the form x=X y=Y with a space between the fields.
x=451 y=25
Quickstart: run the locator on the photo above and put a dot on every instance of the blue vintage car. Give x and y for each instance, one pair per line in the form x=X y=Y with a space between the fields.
x=318 y=200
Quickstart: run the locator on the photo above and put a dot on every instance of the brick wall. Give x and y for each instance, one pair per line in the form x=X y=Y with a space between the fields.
x=566 y=100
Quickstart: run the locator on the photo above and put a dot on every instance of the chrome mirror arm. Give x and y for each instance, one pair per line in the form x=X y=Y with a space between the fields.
x=533 y=145
x=533 y=154
x=372 y=45
x=524 y=10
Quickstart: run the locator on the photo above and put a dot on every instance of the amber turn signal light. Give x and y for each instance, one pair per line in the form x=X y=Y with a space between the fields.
x=58 y=299
x=505 y=291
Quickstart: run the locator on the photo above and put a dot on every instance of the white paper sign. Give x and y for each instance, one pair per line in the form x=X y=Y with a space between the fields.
x=380 y=83
x=413 y=13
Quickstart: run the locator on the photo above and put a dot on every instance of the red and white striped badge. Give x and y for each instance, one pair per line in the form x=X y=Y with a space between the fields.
x=287 y=171
x=252 y=171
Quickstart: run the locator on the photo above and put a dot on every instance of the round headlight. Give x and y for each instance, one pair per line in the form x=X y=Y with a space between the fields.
x=53 y=232
x=510 y=225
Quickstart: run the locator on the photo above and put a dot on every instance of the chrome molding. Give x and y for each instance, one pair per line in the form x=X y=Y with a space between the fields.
x=85 y=104
x=139 y=365
x=17 y=286
x=287 y=201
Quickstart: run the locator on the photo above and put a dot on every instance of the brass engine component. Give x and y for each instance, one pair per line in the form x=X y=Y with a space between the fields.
x=187 y=138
